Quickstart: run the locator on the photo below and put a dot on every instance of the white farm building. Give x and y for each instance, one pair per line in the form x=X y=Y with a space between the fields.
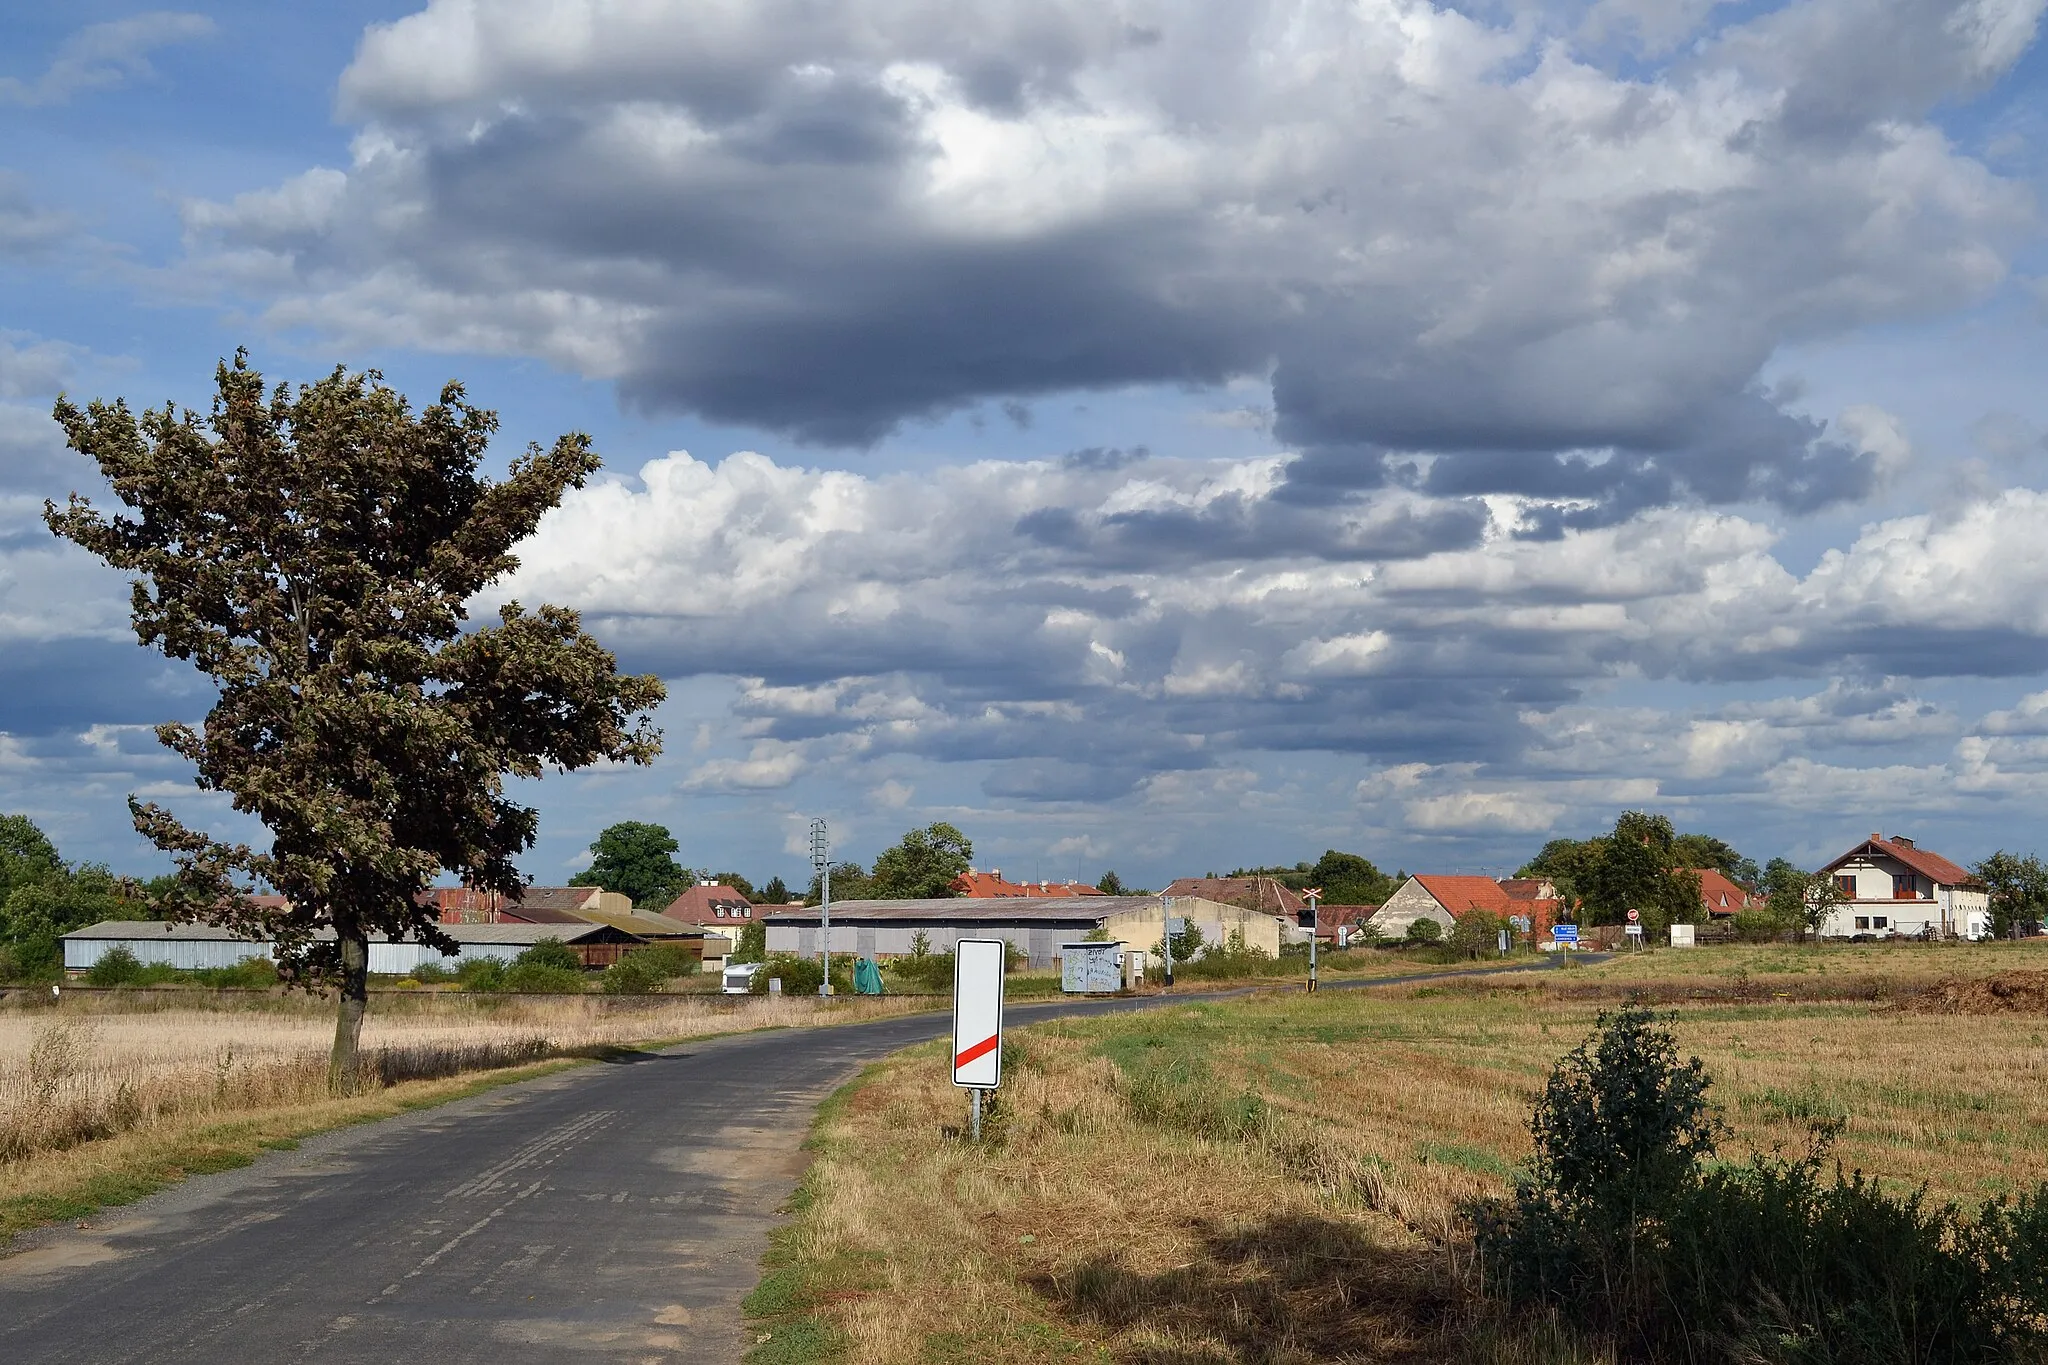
x=1892 y=887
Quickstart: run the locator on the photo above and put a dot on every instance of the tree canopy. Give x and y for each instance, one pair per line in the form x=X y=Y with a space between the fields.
x=2018 y=888
x=314 y=553
x=636 y=860
x=1640 y=865
x=1346 y=878
x=922 y=865
x=42 y=898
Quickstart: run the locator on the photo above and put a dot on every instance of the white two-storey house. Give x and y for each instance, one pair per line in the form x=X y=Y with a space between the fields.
x=1893 y=887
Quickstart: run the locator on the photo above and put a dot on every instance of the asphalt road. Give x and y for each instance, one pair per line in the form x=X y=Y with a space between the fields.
x=610 y=1212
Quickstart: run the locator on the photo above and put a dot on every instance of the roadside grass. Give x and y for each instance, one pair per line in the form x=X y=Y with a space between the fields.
x=1277 y=1178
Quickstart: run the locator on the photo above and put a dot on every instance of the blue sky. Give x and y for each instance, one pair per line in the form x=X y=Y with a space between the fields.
x=1158 y=437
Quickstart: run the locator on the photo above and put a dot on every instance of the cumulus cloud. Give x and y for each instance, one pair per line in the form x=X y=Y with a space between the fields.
x=102 y=55
x=1469 y=257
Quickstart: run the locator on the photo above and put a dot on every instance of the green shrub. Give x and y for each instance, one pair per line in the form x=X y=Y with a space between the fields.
x=1756 y=925
x=250 y=972
x=481 y=974
x=926 y=971
x=551 y=952
x=633 y=974
x=752 y=944
x=534 y=978
x=1626 y=1224
x=118 y=966
x=803 y=975
x=1476 y=934
x=1424 y=930
x=432 y=973
x=1232 y=959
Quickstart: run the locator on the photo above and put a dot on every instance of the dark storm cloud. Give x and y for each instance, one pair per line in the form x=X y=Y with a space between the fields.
x=828 y=221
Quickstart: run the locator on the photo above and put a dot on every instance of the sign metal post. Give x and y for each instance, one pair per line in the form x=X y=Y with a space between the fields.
x=1312 y=895
x=978 y=1021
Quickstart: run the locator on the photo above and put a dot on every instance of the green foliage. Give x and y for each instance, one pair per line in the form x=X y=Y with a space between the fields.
x=550 y=952
x=1626 y=1224
x=432 y=974
x=26 y=854
x=1229 y=960
x=46 y=898
x=923 y=865
x=1757 y=924
x=2018 y=889
x=636 y=860
x=1187 y=945
x=118 y=966
x=481 y=974
x=526 y=978
x=1701 y=851
x=735 y=881
x=923 y=971
x=315 y=553
x=1424 y=930
x=803 y=975
x=752 y=945
x=1110 y=884
x=774 y=893
x=1476 y=934
x=632 y=975
x=850 y=882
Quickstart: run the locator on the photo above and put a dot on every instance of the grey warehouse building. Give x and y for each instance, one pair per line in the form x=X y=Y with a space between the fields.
x=1036 y=927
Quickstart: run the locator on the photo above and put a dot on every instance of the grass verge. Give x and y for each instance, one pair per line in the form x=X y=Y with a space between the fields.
x=1277 y=1178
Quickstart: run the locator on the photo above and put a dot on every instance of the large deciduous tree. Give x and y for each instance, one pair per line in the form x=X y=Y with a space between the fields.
x=314 y=553
x=2018 y=888
x=923 y=865
x=636 y=860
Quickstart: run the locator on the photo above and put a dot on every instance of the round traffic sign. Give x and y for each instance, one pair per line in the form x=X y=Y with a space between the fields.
x=1634 y=915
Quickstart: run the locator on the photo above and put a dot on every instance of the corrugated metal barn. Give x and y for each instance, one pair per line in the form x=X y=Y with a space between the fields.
x=188 y=947
x=1036 y=927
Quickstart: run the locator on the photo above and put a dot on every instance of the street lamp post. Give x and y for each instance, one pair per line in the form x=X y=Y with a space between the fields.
x=821 y=859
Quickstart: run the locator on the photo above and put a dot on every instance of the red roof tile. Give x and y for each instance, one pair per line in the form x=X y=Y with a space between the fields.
x=1718 y=894
x=1932 y=866
x=1252 y=893
x=701 y=904
x=990 y=885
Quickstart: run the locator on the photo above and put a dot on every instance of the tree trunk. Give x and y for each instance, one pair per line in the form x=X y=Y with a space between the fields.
x=348 y=1012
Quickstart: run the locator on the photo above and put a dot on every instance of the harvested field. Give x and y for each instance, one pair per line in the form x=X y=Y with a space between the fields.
x=1278 y=1179
x=99 y=1065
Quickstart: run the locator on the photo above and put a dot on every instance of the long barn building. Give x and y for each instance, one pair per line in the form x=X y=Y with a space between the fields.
x=1036 y=927
x=189 y=947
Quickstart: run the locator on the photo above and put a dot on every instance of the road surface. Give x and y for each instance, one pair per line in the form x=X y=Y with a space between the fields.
x=614 y=1212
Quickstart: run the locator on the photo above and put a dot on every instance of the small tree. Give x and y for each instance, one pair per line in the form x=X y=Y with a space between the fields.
x=1820 y=900
x=637 y=860
x=1111 y=884
x=1422 y=930
x=314 y=554
x=1476 y=934
x=2018 y=888
x=752 y=945
x=774 y=893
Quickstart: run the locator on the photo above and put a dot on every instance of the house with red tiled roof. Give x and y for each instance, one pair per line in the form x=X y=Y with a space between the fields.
x=1893 y=887
x=534 y=905
x=715 y=909
x=1337 y=925
x=1249 y=893
x=1447 y=899
x=976 y=885
x=1721 y=897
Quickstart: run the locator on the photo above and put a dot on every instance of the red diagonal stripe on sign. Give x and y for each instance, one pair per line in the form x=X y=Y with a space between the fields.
x=980 y=1049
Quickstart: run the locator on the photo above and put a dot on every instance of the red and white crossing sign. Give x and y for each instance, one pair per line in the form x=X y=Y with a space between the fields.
x=978 y=1013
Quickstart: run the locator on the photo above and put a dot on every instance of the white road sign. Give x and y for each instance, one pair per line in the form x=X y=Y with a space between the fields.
x=978 y=1013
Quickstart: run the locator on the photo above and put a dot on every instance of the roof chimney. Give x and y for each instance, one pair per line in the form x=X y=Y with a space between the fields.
x=995 y=872
x=1876 y=838
x=1902 y=841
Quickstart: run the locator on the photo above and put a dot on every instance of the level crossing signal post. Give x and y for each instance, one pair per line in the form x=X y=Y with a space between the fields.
x=821 y=859
x=1308 y=922
x=978 y=1021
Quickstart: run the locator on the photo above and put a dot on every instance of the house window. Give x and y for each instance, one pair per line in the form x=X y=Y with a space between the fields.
x=746 y=912
x=1903 y=888
x=718 y=910
x=1879 y=922
x=1845 y=882
x=1863 y=921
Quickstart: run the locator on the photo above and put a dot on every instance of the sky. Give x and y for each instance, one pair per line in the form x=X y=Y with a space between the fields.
x=1159 y=437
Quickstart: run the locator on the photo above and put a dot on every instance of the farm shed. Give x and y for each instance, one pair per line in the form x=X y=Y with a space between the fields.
x=191 y=946
x=1035 y=927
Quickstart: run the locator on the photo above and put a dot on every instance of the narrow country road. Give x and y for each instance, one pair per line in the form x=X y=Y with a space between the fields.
x=610 y=1212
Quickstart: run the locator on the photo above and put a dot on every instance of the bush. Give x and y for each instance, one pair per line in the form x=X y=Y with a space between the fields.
x=1625 y=1223
x=646 y=969
x=118 y=966
x=1233 y=958
x=1476 y=934
x=551 y=952
x=481 y=974
x=803 y=975
x=533 y=978
x=925 y=971
x=432 y=973
x=752 y=945
x=1756 y=925
x=1424 y=930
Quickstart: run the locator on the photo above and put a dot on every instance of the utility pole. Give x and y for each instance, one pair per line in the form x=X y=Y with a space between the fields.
x=1312 y=895
x=821 y=859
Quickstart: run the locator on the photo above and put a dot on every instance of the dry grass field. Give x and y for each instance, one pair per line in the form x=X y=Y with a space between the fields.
x=99 y=1081
x=1278 y=1179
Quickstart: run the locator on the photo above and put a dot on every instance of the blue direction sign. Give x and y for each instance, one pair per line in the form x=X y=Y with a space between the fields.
x=1565 y=933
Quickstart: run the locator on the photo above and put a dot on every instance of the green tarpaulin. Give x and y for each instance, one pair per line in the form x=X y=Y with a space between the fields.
x=867 y=977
